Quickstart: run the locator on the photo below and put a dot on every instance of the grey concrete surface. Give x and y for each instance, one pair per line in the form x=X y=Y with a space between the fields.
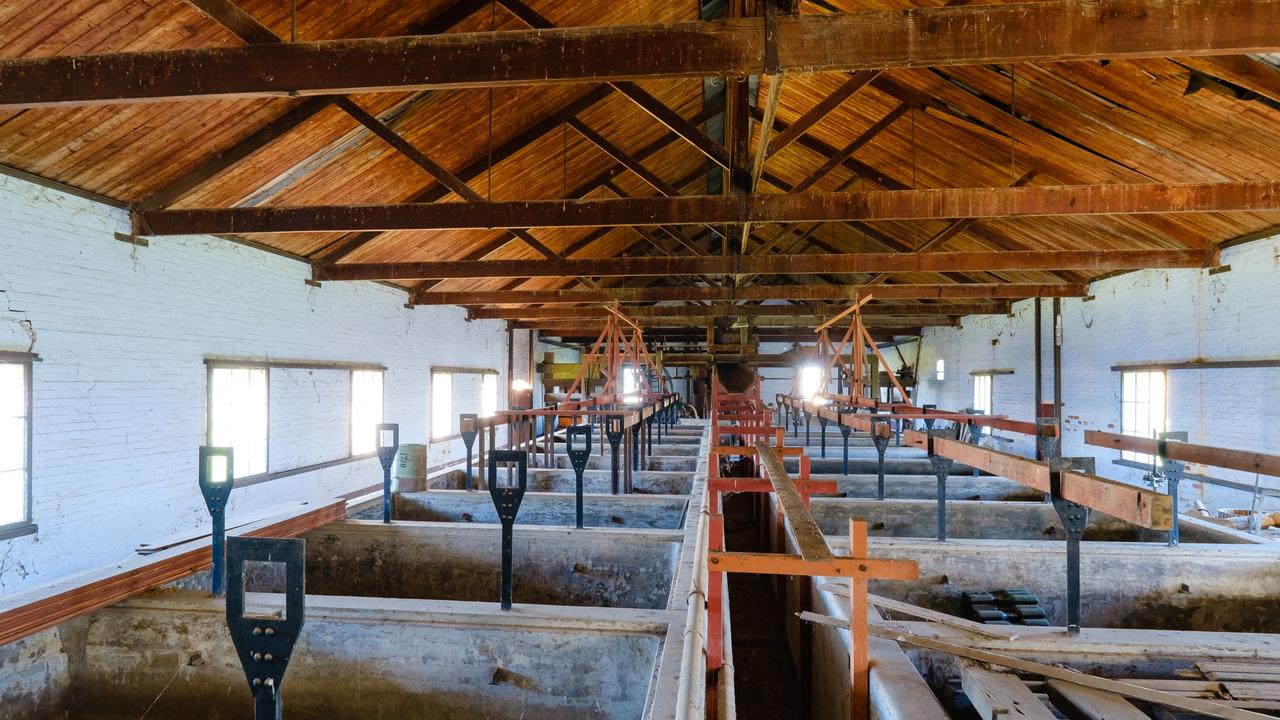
x=642 y=511
x=444 y=561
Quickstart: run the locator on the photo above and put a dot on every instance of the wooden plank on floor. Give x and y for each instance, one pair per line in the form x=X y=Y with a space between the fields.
x=810 y=541
x=1125 y=688
x=1001 y=696
x=1092 y=704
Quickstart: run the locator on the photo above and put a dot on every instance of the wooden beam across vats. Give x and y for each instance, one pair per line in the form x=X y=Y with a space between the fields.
x=962 y=35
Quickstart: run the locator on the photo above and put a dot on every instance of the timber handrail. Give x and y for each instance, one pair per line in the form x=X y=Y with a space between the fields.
x=1138 y=505
x=1243 y=460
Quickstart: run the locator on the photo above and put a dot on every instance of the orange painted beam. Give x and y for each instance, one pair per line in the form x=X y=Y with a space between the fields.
x=778 y=564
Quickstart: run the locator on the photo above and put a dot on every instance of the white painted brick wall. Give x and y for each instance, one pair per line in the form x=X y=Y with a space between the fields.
x=1147 y=316
x=120 y=394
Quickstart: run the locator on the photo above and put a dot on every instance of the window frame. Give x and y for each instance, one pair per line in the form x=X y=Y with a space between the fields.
x=1164 y=420
x=351 y=409
x=212 y=362
x=453 y=416
x=208 y=417
x=27 y=525
x=987 y=380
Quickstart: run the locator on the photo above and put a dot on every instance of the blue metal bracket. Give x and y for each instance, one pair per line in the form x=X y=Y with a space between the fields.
x=265 y=644
x=882 y=444
x=1074 y=517
x=941 y=469
x=468 y=430
x=388 y=444
x=1172 y=470
x=845 y=430
x=217 y=480
x=1050 y=445
x=613 y=433
x=507 y=502
x=578 y=457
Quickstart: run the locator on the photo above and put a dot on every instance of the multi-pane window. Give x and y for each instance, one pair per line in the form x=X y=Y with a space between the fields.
x=940 y=370
x=15 y=433
x=982 y=394
x=1144 y=408
x=810 y=381
x=441 y=404
x=366 y=410
x=489 y=395
x=238 y=416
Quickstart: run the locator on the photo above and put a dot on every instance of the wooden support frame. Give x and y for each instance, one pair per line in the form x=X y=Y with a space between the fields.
x=1242 y=460
x=817 y=291
x=960 y=35
x=859 y=568
x=867 y=205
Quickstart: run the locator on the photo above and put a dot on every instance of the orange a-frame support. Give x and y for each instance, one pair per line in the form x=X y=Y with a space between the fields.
x=613 y=351
x=831 y=355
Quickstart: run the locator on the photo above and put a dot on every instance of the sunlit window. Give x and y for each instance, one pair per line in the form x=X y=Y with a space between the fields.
x=366 y=410
x=1143 y=408
x=441 y=404
x=982 y=394
x=810 y=381
x=940 y=370
x=14 y=471
x=489 y=395
x=238 y=416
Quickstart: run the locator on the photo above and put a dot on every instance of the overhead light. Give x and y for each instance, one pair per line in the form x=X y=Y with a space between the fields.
x=740 y=323
x=520 y=385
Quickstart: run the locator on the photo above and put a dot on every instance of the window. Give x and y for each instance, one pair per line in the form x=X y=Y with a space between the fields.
x=1143 y=408
x=366 y=410
x=15 y=439
x=238 y=416
x=461 y=391
x=941 y=370
x=441 y=404
x=982 y=394
x=810 y=381
x=489 y=395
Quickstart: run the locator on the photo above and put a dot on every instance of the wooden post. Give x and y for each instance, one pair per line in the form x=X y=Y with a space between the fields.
x=859 y=657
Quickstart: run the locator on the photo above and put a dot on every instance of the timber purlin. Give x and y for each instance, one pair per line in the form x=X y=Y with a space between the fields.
x=736 y=47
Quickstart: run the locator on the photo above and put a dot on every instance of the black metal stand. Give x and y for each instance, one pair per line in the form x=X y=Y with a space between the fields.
x=1074 y=517
x=507 y=501
x=795 y=423
x=216 y=491
x=648 y=437
x=822 y=423
x=941 y=469
x=468 y=431
x=613 y=433
x=578 y=457
x=808 y=423
x=882 y=444
x=387 y=456
x=265 y=644
x=844 y=433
